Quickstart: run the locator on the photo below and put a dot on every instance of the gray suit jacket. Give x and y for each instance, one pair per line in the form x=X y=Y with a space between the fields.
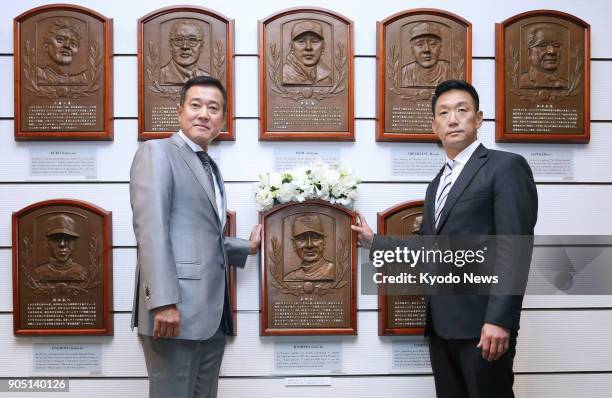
x=182 y=251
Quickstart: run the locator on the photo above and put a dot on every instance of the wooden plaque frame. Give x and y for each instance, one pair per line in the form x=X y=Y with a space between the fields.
x=228 y=135
x=381 y=69
x=383 y=328
x=268 y=330
x=107 y=269
x=107 y=85
x=345 y=135
x=231 y=283
x=501 y=135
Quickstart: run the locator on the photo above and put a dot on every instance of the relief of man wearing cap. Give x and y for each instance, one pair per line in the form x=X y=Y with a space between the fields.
x=428 y=70
x=309 y=244
x=303 y=64
x=61 y=237
x=544 y=49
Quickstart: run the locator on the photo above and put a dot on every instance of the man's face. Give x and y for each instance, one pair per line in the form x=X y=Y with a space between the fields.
x=426 y=50
x=308 y=48
x=546 y=53
x=456 y=121
x=60 y=247
x=309 y=246
x=201 y=116
x=185 y=44
x=62 y=46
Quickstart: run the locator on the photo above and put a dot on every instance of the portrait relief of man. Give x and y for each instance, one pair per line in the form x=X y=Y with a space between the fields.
x=544 y=42
x=303 y=64
x=309 y=241
x=185 y=41
x=61 y=237
x=427 y=69
x=61 y=42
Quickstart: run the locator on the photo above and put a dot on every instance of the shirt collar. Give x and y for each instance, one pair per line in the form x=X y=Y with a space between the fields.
x=194 y=147
x=463 y=156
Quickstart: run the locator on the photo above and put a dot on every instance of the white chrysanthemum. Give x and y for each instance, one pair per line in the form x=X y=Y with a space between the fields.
x=286 y=192
x=264 y=199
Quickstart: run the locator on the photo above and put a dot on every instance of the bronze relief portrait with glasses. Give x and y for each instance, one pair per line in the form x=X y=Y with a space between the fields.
x=174 y=45
x=542 y=78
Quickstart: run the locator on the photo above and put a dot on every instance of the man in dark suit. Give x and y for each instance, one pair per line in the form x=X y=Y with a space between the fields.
x=180 y=293
x=480 y=192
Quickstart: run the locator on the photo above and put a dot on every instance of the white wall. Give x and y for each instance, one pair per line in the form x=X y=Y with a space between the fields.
x=563 y=349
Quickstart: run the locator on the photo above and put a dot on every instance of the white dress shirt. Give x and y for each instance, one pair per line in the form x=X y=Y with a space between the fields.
x=460 y=161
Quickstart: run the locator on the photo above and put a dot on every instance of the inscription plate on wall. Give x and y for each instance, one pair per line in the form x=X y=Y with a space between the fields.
x=62 y=269
x=176 y=44
x=63 y=74
x=416 y=51
x=308 y=270
x=542 y=78
x=306 y=72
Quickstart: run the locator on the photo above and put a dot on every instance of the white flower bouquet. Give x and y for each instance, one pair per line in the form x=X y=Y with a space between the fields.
x=333 y=183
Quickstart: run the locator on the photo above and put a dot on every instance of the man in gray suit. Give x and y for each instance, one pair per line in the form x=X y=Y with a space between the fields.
x=179 y=205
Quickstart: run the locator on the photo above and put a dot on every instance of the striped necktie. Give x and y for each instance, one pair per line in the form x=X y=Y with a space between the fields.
x=446 y=182
x=205 y=159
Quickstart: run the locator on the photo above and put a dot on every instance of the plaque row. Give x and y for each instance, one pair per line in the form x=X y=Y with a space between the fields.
x=62 y=270
x=63 y=73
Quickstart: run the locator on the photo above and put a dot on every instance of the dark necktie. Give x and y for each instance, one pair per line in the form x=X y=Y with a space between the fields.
x=206 y=162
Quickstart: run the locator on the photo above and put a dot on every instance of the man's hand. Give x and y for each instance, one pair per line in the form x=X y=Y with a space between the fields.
x=255 y=239
x=365 y=234
x=494 y=341
x=166 y=322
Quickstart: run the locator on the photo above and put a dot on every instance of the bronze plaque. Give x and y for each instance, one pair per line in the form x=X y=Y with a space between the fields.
x=542 y=78
x=306 y=76
x=309 y=270
x=63 y=74
x=416 y=51
x=62 y=269
x=174 y=45
x=401 y=314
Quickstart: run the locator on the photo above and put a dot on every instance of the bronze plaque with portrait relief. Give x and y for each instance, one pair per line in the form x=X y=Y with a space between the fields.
x=401 y=314
x=63 y=74
x=417 y=50
x=542 y=78
x=308 y=270
x=62 y=269
x=174 y=45
x=306 y=76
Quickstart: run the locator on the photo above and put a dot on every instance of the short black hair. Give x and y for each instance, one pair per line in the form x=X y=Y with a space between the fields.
x=449 y=85
x=205 y=81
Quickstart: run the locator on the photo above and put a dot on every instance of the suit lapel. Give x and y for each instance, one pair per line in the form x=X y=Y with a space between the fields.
x=195 y=166
x=478 y=158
